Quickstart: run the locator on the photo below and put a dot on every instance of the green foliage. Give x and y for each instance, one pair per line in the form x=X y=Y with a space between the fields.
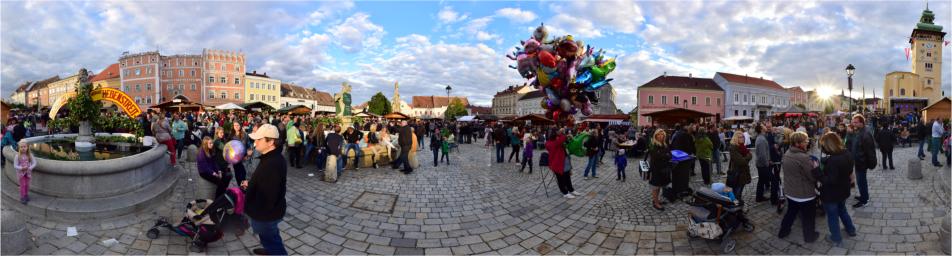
x=358 y=120
x=379 y=105
x=455 y=109
x=633 y=116
x=82 y=107
x=328 y=120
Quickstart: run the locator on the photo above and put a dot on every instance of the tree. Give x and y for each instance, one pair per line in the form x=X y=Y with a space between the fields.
x=379 y=105
x=633 y=116
x=454 y=110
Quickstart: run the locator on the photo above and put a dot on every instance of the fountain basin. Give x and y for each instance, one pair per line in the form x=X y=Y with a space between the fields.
x=97 y=188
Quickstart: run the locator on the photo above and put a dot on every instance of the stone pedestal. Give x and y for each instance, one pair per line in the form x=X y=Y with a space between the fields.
x=330 y=170
x=944 y=237
x=15 y=236
x=346 y=121
x=192 y=154
x=914 y=172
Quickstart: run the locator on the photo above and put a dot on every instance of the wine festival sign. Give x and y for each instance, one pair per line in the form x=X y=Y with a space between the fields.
x=117 y=97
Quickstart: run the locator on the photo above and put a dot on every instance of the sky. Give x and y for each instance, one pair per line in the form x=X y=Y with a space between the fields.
x=427 y=45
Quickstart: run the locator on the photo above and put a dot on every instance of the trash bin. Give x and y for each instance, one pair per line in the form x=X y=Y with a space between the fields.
x=681 y=173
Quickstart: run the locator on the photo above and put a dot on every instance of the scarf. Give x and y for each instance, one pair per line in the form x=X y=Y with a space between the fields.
x=743 y=150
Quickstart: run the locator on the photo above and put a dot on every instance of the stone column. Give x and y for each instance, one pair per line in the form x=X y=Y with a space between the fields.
x=16 y=237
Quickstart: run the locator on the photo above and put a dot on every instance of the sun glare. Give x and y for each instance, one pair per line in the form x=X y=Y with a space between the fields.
x=825 y=92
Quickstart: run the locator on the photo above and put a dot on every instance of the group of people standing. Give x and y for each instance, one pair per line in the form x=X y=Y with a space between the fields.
x=809 y=180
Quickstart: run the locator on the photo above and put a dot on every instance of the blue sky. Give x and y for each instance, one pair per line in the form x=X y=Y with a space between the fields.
x=426 y=45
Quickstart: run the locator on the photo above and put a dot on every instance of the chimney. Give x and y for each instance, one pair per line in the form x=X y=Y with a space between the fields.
x=690 y=75
x=254 y=72
x=265 y=73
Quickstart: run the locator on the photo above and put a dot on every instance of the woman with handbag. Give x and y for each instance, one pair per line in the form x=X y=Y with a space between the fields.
x=659 y=166
x=163 y=134
x=738 y=173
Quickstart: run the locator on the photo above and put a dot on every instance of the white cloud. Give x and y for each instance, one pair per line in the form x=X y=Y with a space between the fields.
x=564 y=24
x=516 y=15
x=623 y=16
x=357 y=32
x=448 y=15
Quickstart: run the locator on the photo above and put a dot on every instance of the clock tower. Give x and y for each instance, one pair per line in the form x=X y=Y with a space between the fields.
x=926 y=52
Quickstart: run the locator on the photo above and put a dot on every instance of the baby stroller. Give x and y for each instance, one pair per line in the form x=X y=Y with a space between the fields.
x=206 y=220
x=713 y=216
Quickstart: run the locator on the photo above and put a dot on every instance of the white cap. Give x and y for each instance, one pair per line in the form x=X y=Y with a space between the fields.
x=265 y=130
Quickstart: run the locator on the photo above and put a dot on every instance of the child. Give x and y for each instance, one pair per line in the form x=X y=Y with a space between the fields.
x=621 y=162
x=24 y=163
x=722 y=189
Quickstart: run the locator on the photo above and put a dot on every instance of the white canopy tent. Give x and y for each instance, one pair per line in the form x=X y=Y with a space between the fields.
x=466 y=118
x=229 y=106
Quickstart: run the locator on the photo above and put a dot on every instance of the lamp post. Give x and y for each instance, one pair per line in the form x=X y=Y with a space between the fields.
x=448 y=100
x=849 y=75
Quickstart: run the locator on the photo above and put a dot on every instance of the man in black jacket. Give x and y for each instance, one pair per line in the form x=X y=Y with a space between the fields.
x=264 y=193
x=886 y=138
x=683 y=139
x=334 y=142
x=501 y=140
x=863 y=149
x=923 y=132
x=405 y=141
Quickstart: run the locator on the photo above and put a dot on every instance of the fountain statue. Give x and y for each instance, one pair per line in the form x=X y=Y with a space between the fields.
x=342 y=105
x=84 y=110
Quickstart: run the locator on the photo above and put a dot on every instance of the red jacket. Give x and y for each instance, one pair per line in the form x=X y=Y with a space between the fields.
x=556 y=150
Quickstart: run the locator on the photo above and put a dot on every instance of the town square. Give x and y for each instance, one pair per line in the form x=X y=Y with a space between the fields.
x=473 y=128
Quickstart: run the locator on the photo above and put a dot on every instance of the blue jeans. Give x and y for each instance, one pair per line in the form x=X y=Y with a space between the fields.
x=179 y=147
x=357 y=155
x=717 y=159
x=739 y=192
x=500 y=152
x=436 y=156
x=836 y=212
x=922 y=142
x=321 y=158
x=592 y=160
x=862 y=184
x=269 y=235
x=340 y=165
x=936 y=143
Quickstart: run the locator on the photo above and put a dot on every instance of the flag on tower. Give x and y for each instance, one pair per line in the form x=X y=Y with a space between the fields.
x=907 y=54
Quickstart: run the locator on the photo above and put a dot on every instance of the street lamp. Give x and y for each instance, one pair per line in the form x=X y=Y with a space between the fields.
x=849 y=74
x=448 y=101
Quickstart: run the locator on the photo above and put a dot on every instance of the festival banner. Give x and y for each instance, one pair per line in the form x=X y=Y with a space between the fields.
x=118 y=97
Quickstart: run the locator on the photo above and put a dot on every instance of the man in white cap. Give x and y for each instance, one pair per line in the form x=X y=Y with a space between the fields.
x=264 y=193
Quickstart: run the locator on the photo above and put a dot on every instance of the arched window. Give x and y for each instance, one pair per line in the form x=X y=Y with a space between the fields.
x=902 y=92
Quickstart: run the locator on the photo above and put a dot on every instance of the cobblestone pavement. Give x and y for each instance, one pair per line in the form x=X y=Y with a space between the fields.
x=474 y=207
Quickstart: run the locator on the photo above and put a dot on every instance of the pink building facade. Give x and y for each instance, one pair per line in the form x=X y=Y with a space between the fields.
x=668 y=92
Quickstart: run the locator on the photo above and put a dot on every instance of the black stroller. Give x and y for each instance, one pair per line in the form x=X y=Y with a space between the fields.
x=713 y=216
x=206 y=220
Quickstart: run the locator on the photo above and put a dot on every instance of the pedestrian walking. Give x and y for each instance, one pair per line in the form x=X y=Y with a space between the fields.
x=528 y=141
x=24 y=163
x=863 y=150
x=558 y=161
x=591 y=150
x=659 y=166
x=886 y=139
x=935 y=145
x=704 y=148
x=738 y=172
x=835 y=171
x=621 y=162
x=765 y=178
x=799 y=175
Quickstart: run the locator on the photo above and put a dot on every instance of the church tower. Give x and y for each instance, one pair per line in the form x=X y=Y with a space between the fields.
x=926 y=52
x=395 y=102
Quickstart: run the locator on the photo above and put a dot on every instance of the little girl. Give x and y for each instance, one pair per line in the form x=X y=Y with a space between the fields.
x=24 y=163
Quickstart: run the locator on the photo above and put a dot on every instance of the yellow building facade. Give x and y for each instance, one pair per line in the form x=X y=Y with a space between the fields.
x=61 y=87
x=260 y=87
x=911 y=91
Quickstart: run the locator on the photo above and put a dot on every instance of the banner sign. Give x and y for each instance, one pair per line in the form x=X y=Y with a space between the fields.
x=118 y=97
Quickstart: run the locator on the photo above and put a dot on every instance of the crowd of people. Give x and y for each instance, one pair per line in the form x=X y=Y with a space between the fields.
x=783 y=151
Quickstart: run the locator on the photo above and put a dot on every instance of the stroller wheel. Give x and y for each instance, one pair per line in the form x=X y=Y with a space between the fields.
x=153 y=233
x=690 y=235
x=727 y=246
x=197 y=246
x=749 y=227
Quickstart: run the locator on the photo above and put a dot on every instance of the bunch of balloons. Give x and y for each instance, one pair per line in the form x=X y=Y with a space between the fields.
x=566 y=70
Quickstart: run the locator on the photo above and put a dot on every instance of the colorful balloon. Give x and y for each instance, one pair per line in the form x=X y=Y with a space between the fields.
x=234 y=152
